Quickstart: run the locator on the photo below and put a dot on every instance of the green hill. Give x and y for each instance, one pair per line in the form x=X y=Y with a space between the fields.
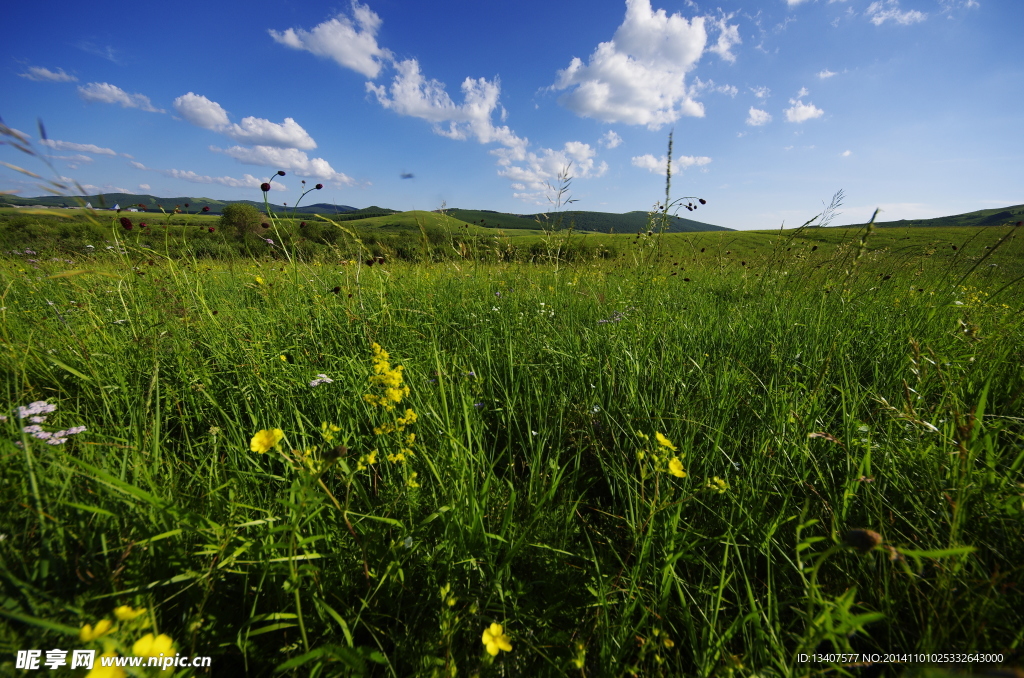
x=598 y=222
x=991 y=217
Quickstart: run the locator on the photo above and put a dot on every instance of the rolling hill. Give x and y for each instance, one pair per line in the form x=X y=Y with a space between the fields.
x=598 y=222
x=990 y=217
x=126 y=200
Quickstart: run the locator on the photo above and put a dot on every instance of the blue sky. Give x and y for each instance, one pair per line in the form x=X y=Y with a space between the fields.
x=914 y=106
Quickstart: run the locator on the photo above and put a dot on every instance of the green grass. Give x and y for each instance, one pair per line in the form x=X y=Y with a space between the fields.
x=872 y=383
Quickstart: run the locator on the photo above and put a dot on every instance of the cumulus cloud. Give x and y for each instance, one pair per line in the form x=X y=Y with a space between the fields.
x=824 y=74
x=658 y=165
x=638 y=77
x=757 y=117
x=610 y=139
x=40 y=74
x=201 y=112
x=210 y=115
x=414 y=95
x=351 y=42
x=533 y=173
x=728 y=36
x=801 y=112
x=106 y=93
x=761 y=92
x=287 y=159
x=880 y=12
x=81 y=148
x=145 y=187
x=247 y=181
x=793 y=3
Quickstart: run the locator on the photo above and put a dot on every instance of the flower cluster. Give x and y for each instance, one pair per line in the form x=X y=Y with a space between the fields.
x=321 y=379
x=660 y=455
x=266 y=440
x=387 y=379
x=36 y=413
x=132 y=621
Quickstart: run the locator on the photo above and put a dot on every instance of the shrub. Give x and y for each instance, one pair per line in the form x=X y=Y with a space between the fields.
x=238 y=219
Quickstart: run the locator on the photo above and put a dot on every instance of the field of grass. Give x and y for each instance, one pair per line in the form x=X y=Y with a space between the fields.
x=702 y=456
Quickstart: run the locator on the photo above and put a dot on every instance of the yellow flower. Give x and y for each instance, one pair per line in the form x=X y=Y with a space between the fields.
x=101 y=671
x=669 y=643
x=412 y=480
x=718 y=485
x=88 y=633
x=126 y=613
x=675 y=467
x=664 y=442
x=495 y=640
x=148 y=646
x=265 y=440
x=396 y=458
x=259 y=280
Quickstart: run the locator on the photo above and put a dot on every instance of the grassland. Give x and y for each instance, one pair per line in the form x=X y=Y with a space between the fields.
x=686 y=455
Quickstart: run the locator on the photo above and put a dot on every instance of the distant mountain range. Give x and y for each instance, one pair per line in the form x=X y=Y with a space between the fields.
x=152 y=203
x=603 y=222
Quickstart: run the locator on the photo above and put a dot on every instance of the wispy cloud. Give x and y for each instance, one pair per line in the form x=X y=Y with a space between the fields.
x=846 y=154
x=104 y=92
x=610 y=139
x=40 y=74
x=105 y=51
x=761 y=92
x=638 y=77
x=728 y=37
x=825 y=74
x=659 y=165
x=801 y=112
x=81 y=148
x=247 y=181
x=889 y=10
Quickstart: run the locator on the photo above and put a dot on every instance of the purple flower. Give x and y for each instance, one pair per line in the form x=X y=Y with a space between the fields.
x=319 y=186
x=265 y=187
x=37 y=407
x=269 y=241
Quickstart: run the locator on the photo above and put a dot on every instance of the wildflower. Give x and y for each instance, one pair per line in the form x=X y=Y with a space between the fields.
x=126 y=613
x=411 y=483
x=367 y=460
x=101 y=671
x=495 y=639
x=321 y=379
x=664 y=442
x=319 y=186
x=265 y=187
x=675 y=467
x=37 y=407
x=150 y=646
x=88 y=633
x=269 y=241
x=211 y=229
x=280 y=173
x=127 y=223
x=263 y=441
x=206 y=208
x=718 y=485
x=259 y=280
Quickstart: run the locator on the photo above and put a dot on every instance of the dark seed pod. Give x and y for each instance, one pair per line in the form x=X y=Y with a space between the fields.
x=863 y=540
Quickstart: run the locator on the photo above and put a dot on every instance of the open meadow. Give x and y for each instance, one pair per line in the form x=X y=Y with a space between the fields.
x=418 y=447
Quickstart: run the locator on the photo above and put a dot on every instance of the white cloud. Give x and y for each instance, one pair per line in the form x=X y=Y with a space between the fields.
x=802 y=93
x=145 y=187
x=40 y=74
x=658 y=165
x=638 y=77
x=756 y=117
x=825 y=74
x=352 y=44
x=801 y=112
x=533 y=175
x=846 y=154
x=728 y=36
x=793 y=3
x=203 y=112
x=247 y=181
x=287 y=159
x=761 y=92
x=610 y=139
x=106 y=93
x=81 y=148
x=77 y=158
x=414 y=95
x=878 y=14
